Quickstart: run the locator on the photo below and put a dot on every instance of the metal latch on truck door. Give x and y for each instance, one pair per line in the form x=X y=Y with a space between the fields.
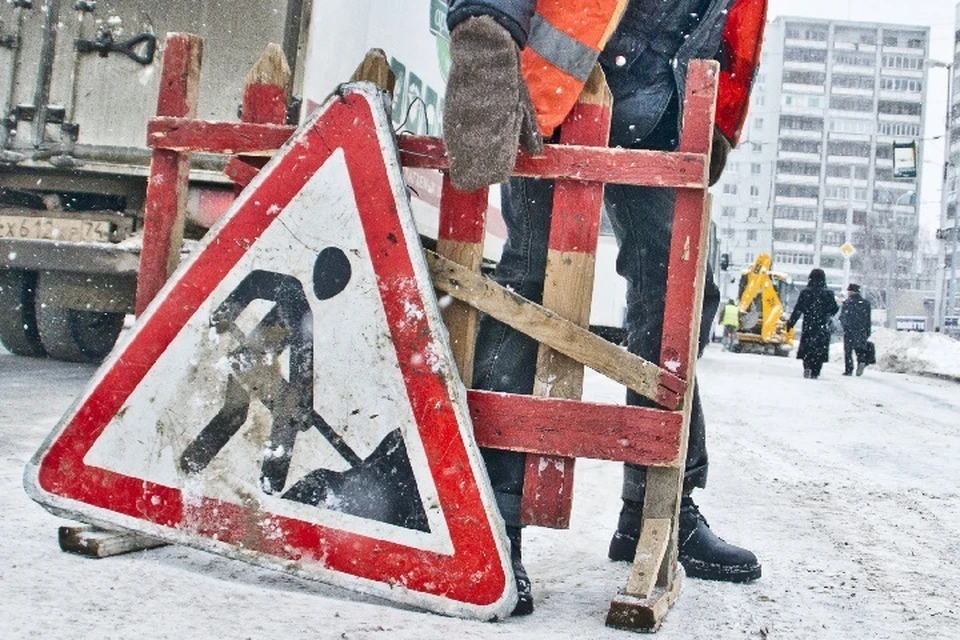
x=140 y=48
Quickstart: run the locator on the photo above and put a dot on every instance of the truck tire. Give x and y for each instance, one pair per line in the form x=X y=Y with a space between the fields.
x=73 y=335
x=18 y=321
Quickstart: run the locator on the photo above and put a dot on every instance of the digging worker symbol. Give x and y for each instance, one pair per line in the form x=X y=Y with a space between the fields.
x=382 y=485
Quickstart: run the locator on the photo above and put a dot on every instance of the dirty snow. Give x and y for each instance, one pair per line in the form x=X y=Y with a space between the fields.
x=846 y=488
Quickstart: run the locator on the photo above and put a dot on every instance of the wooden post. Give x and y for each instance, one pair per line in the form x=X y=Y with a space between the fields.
x=568 y=290
x=266 y=93
x=165 y=207
x=463 y=218
x=654 y=583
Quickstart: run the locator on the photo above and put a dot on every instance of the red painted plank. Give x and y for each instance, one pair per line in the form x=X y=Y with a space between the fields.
x=165 y=204
x=574 y=227
x=679 y=330
x=577 y=162
x=240 y=172
x=216 y=137
x=462 y=215
x=264 y=103
x=574 y=429
x=623 y=166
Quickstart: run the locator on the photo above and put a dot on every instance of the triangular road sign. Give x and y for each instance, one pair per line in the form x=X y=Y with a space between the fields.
x=289 y=398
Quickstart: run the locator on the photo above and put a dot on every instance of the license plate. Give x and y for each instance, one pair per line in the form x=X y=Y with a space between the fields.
x=64 y=229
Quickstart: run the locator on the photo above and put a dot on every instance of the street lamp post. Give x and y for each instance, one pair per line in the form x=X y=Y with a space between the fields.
x=940 y=304
x=893 y=257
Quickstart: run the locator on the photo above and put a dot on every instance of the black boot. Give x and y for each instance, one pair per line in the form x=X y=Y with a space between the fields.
x=708 y=557
x=702 y=554
x=524 y=593
x=623 y=546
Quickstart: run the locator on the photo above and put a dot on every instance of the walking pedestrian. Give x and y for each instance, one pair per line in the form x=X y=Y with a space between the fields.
x=855 y=319
x=816 y=305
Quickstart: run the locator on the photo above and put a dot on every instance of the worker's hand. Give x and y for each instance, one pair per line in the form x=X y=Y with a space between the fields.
x=719 y=151
x=487 y=108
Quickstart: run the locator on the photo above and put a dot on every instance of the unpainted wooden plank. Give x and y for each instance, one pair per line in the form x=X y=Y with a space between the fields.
x=94 y=542
x=635 y=614
x=651 y=548
x=545 y=326
x=375 y=68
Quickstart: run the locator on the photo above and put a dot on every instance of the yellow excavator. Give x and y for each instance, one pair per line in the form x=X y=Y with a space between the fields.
x=763 y=316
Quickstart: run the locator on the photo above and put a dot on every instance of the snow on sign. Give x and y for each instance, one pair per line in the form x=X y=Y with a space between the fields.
x=289 y=398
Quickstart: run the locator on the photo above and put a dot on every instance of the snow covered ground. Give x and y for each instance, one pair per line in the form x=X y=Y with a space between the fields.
x=846 y=488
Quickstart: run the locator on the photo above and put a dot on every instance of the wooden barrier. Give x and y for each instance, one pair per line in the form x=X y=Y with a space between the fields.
x=580 y=164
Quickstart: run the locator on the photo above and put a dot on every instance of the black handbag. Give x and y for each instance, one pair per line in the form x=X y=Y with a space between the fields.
x=871 y=353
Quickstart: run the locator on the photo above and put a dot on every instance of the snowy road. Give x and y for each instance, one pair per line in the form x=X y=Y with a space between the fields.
x=845 y=487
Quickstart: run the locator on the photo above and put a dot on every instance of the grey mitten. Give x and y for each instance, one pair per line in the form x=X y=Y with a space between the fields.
x=487 y=108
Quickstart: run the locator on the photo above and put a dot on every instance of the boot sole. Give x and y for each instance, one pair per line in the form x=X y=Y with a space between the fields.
x=720 y=573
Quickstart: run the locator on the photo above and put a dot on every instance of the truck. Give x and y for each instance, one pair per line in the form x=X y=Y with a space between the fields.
x=78 y=83
x=764 y=302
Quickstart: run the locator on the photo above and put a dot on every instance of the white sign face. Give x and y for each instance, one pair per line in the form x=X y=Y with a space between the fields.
x=904 y=160
x=289 y=397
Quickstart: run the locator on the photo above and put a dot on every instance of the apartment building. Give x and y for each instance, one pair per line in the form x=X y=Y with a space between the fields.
x=813 y=179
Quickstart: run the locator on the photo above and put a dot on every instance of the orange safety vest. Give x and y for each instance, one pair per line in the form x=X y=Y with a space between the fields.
x=742 y=37
x=566 y=37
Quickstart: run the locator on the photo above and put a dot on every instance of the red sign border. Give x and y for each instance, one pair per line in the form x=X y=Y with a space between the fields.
x=476 y=575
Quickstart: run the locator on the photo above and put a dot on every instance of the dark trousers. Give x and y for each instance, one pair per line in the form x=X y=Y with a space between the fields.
x=505 y=359
x=850 y=347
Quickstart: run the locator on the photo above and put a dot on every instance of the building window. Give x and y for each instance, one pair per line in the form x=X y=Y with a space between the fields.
x=730 y=188
x=848 y=81
x=892 y=107
x=797 y=168
x=754 y=191
x=798 y=191
x=817 y=78
x=902 y=62
x=795 y=213
x=848 y=148
x=910 y=85
x=755 y=168
x=800 y=146
x=797 y=54
x=852 y=59
x=728 y=212
x=751 y=235
x=851 y=103
x=835 y=216
x=758 y=123
x=801 y=123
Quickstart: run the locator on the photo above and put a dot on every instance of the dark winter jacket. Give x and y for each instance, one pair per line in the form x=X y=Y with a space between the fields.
x=855 y=319
x=645 y=60
x=817 y=305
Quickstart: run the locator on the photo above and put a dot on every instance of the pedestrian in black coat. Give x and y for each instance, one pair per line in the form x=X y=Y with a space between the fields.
x=817 y=305
x=855 y=319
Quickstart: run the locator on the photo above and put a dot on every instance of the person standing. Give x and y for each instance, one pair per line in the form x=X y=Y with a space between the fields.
x=817 y=305
x=855 y=320
x=730 y=319
x=645 y=63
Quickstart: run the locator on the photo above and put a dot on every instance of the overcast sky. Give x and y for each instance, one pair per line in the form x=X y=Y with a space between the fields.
x=940 y=16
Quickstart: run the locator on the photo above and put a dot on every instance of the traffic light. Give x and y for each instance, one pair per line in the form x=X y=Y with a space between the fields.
x=724 y=261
